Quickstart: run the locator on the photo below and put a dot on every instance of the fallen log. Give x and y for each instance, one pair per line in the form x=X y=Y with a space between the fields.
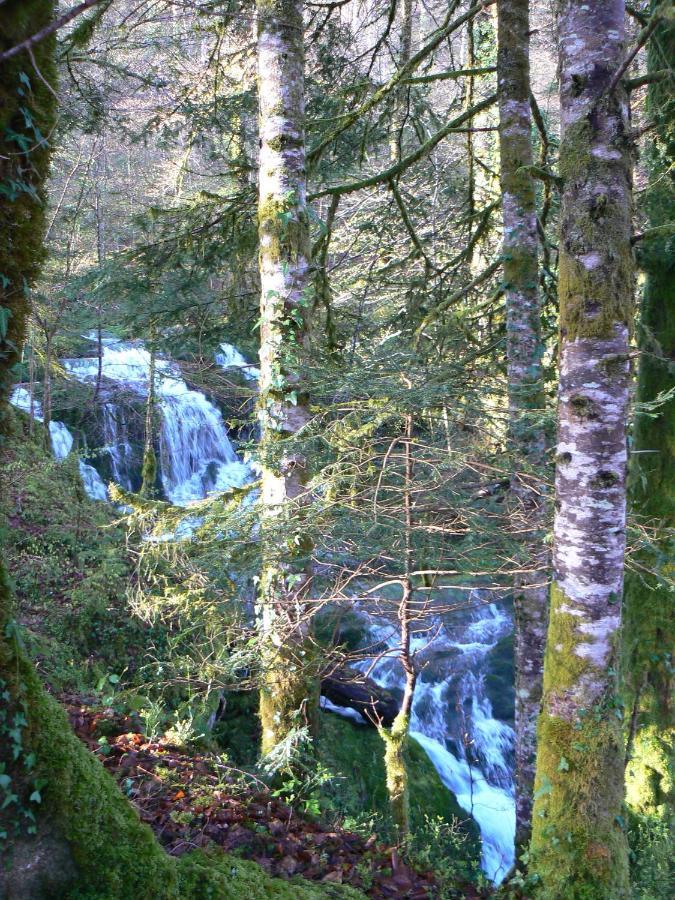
x=352 y=690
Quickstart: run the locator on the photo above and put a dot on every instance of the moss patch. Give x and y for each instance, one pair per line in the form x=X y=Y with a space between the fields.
x=578 y=843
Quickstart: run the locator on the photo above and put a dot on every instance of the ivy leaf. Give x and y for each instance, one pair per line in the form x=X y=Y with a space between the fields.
x=563 y=765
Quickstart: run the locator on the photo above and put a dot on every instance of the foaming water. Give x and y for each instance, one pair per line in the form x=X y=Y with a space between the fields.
x=62 y=443
x=452 y=720
x=196 y=456
x=230 y=358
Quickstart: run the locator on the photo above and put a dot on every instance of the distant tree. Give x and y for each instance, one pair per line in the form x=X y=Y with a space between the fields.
x=649 y=630
x=525 y=386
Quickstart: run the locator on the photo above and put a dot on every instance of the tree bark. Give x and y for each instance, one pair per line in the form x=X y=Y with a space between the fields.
x=396 y=738
x=23 y=170
x=149 y=469
x=578 y=846
x=289 y=695
x=525 y=387
x=649 y=630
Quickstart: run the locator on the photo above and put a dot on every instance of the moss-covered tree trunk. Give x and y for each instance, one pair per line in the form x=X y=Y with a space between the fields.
x=397 y=736
x=289 y=697
x=578 y=845
x=649 y=632
x=27 y=118
x=525 y=388
x=63 y=817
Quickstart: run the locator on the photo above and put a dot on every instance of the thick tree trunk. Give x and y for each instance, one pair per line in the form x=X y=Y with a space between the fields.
x=578 y=846
x=22 y=219
x=289 y=696
x=525 y=388
x=649 y=630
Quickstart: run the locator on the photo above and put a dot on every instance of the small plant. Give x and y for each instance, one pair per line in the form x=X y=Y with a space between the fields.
x=182 y=732
x=153 y=718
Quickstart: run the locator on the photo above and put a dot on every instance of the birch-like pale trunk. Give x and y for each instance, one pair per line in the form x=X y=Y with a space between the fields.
x=525 y=386
x=289 y=696
x=401 y=95
x=578 y=844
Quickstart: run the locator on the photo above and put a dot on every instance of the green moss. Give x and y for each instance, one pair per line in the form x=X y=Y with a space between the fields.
x=149 y=473
x=578 y=846
x=649 y=612
x=575 y=150
x=115 y=855
x=593 y=301
x=396 y=772
x=650 y=779
x=289 y=697
x=222 y=877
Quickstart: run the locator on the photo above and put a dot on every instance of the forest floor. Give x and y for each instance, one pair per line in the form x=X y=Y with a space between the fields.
x=196 y=801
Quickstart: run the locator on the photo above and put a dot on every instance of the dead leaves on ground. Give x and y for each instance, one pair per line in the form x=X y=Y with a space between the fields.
x=195 y=801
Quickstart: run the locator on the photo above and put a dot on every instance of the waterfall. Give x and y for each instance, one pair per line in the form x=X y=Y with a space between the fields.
x=117 y=444
x=196 y=457
x=231 y=358
x=62 y=443
x=471 y=750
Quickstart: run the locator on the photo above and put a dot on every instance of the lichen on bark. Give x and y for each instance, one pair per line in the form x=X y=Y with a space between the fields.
x=289 y=698
x=578 y=847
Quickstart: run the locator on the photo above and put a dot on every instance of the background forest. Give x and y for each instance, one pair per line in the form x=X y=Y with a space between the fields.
x=337 y=422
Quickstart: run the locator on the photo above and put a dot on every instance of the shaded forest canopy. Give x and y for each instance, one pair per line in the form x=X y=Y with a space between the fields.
x=336 y=439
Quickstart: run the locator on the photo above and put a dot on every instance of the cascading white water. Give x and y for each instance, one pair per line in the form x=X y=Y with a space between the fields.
x=196 y=456
x=62 y=443
x=478 y=769
x=117 y=444
x=231 y=358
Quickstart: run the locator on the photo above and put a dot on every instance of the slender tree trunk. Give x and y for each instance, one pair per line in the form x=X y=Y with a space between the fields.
x=400 y=98
x=47 y=387
x=289 y=696
x=100 y=251
x=149 y=470
x=578 y=845
x=525 y=388
x=31 y=382
x=396 y=738
x=649 y=631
